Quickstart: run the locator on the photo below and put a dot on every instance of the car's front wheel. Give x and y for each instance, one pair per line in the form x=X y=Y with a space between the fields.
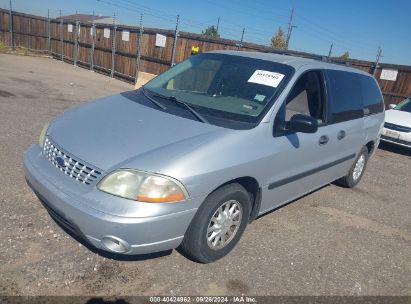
x=218 y=224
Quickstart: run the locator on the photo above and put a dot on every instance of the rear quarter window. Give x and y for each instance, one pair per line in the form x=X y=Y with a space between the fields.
x=345 y=96
x=372 y=97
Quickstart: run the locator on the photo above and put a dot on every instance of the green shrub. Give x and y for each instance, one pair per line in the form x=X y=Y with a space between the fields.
x=4 y=48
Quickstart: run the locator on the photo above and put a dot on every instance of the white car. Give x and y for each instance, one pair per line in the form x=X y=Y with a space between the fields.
x=397 y=127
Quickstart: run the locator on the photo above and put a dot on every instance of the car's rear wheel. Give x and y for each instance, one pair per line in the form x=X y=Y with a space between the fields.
x=218 y=224
x=356 y=171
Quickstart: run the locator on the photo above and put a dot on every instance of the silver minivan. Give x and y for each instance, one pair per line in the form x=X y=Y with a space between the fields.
x=203 y=149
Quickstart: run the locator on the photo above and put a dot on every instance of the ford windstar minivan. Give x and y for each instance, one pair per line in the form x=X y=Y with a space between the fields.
x=201 y=150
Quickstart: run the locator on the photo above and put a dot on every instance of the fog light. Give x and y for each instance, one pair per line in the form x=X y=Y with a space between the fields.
x=115 y=244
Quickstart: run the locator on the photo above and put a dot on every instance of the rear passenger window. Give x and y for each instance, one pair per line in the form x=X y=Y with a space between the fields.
x=345 y=96
x=372 y=98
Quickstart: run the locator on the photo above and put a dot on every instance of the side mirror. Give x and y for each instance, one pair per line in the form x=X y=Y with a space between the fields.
x=392 y=106
x=303 y=123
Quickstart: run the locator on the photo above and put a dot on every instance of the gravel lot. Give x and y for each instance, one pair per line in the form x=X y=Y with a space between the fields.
x=334 y=241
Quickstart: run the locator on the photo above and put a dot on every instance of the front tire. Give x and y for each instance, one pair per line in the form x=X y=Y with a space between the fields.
x=218 y=224
x=356 y=172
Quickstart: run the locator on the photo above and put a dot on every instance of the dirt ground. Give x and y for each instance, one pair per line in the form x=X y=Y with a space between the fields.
x=334 y=241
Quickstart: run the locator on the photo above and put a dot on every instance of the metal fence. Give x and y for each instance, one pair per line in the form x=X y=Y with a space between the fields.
x=123 y=51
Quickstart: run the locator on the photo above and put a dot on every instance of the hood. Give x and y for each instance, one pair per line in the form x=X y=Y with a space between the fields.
x=397 y=117
x=115 y=130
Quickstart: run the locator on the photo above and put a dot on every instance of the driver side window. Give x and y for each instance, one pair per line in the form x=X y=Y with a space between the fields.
x=307 y=97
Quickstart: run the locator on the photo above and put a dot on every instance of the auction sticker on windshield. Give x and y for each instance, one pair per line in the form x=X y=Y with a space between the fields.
x=267 y=78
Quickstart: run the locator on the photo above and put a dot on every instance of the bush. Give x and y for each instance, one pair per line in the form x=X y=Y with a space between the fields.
x=4 y=48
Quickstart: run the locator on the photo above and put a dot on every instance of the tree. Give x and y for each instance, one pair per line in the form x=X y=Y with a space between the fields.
x=211 y=31
x=344 y=56
x=278 y=40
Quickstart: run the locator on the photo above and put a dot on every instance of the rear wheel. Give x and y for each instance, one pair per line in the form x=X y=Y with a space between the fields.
x=356 y=171
x=218 y=224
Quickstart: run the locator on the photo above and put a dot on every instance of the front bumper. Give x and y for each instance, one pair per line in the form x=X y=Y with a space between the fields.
x=71 y=208
x=396 y=137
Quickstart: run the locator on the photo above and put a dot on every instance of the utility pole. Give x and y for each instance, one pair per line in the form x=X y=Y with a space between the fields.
x=11 y=27
x=331 y=49
x=290 y=28
x=218 y=23
x=29 y=33
x=173 y=56
x=377 y=60
x=240 y=45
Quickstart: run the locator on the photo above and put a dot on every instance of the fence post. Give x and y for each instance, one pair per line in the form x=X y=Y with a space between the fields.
x=11 y=27
x=76 y=36
x=61 y=38
x=93 y=30
x=48 y=32
x=173 y=56
x=113 y=47
x=29 y=33
x=140 y=41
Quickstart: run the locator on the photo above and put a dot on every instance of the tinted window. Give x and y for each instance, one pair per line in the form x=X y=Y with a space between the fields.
x=345 y=96
x=404 y=105
x=372 y=98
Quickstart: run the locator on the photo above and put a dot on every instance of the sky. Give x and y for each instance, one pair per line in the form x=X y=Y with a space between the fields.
x=356 y=26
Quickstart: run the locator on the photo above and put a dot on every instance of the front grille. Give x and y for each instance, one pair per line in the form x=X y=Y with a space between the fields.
x=69 y=165
x=396 y=140
x=397 y=127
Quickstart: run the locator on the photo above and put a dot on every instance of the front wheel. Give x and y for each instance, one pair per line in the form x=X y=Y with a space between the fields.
x=218 y=224
x=356 y=171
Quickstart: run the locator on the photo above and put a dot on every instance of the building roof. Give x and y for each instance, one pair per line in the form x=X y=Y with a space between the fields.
x=85 y=17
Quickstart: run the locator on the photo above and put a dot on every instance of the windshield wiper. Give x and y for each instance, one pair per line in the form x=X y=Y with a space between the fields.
x=188 y=107
x=153 y=100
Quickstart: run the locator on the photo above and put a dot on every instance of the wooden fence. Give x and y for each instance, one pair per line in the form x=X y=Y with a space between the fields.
x=105 y=48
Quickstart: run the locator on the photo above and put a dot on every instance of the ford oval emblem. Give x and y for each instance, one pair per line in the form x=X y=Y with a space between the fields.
x=61 y=162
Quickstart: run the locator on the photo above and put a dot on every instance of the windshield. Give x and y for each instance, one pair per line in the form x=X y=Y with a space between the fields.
x=223 y=87
x=404 y=105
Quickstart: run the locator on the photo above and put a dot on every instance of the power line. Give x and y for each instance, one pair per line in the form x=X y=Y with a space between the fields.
x=337 y=42
x=326 y=32
x=231 y=32
x=247 y=12
x=129 y=9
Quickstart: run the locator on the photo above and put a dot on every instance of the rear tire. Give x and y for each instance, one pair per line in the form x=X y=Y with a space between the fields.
x=218 y=224
x=356 y=172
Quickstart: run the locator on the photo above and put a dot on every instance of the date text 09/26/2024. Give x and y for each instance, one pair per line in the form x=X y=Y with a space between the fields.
x=205 y=299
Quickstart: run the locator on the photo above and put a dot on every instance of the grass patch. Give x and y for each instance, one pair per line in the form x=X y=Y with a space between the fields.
x=4 y=48
x=18 y=50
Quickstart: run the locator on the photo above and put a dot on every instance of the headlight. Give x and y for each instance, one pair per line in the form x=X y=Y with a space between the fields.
x=143 y=187
x=43 y=133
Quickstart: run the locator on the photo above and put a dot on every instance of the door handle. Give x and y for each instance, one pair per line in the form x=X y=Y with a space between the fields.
x=341 y=134
x=323 y=140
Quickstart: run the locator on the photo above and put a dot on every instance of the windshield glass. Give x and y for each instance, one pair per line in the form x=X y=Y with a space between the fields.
x=223 y=87
x=404 y=105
